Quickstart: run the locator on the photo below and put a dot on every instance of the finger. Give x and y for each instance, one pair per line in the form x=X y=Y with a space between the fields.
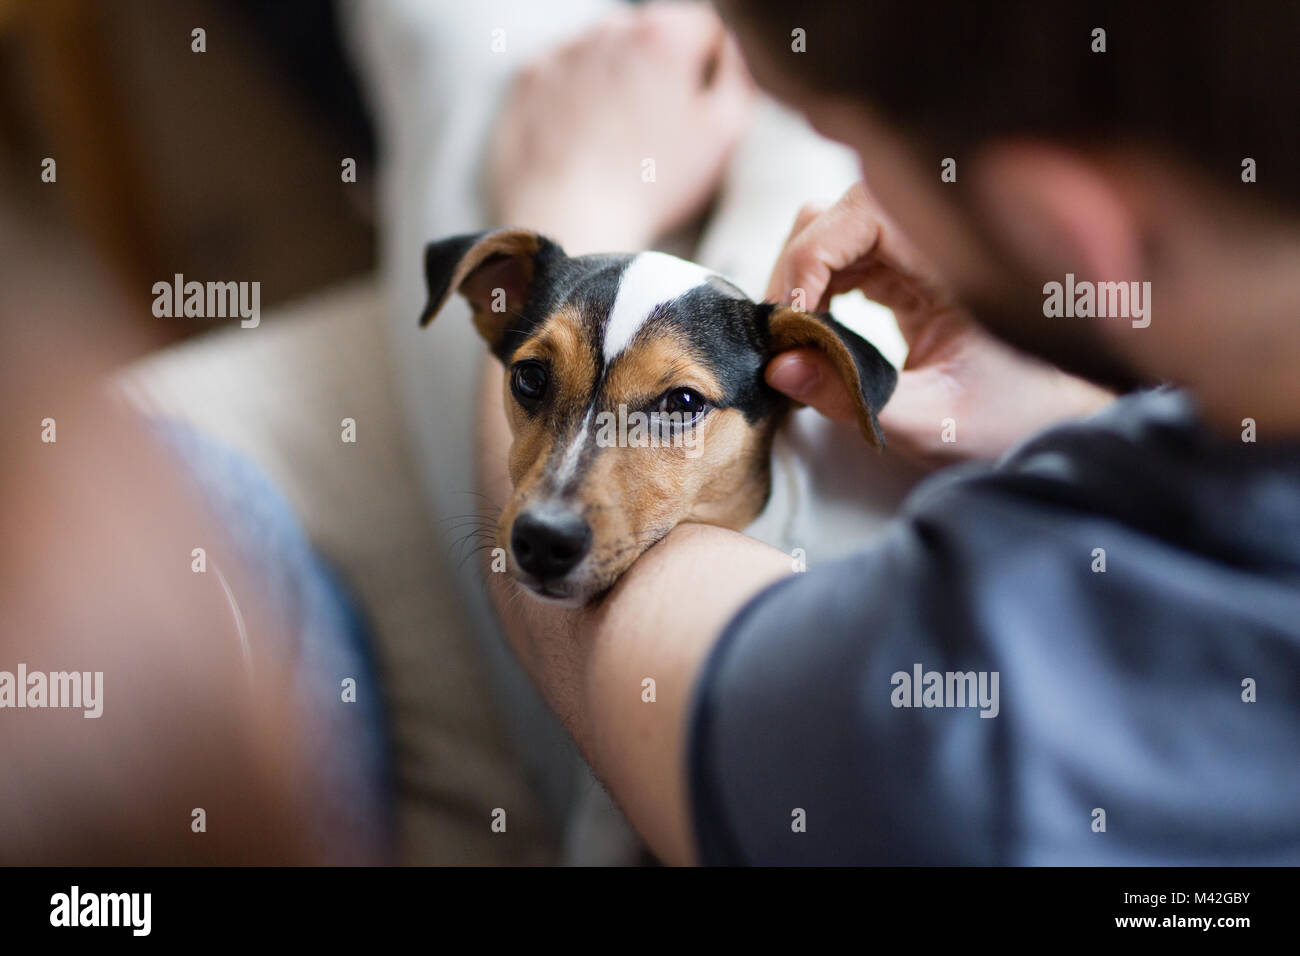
x=807 y=376
x=800 y=277
x=842 y=237
x=777 y=288
x=806 y=214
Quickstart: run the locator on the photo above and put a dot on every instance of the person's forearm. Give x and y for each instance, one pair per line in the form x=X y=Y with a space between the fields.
x=620 y=675
x=657 y=624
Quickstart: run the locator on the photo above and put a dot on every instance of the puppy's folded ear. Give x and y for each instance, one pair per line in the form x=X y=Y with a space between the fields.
x=867 y=375
x=495 y=271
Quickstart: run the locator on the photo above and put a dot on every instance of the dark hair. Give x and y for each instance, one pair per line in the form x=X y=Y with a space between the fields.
x=1210 y=82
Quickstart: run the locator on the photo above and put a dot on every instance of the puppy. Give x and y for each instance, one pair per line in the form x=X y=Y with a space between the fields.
x=635 y=394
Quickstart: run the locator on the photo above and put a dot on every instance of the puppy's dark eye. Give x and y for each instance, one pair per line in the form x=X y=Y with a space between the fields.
x=528 y=381
x=685 y=404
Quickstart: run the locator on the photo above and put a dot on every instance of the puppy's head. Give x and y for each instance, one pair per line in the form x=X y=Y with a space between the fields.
x=635 y=393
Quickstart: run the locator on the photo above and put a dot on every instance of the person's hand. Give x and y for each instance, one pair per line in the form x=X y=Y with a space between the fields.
x=993 y=395
x=661 y=84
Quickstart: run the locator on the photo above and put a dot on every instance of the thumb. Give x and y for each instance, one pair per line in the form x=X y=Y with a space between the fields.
x=807 y=376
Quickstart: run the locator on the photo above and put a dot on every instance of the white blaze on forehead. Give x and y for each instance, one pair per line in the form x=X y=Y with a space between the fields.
x=650 y=279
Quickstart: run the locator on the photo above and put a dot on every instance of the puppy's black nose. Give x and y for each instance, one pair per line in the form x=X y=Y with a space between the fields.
x=549 y=542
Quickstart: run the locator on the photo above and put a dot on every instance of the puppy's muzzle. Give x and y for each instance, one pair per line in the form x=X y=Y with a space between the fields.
x=549 y=541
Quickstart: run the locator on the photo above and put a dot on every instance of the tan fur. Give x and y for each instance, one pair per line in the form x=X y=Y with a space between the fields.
x=630 y=497
x=653 y=366
x=519 y=243
x=560 y=343
x=791 y=328
x=633 y=496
